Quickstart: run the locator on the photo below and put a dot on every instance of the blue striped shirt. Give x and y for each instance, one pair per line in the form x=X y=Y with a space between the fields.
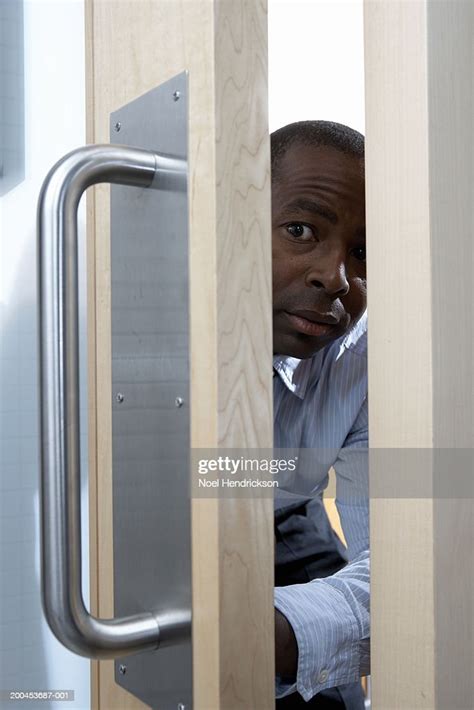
x=320 y=408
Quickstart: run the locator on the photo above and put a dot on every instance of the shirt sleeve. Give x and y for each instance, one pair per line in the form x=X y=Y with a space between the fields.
x=330 y=617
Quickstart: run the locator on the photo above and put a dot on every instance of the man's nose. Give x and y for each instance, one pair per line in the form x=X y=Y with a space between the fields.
x=330 y=274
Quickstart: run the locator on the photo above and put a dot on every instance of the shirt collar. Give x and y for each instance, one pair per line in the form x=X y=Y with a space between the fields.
x=294 y=373
x=356 y=338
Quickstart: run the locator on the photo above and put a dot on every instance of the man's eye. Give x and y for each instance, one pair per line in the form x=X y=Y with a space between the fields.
x=359 y=253
x=300 y=231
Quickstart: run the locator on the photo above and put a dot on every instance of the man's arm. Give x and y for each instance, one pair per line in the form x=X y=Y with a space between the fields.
x=330 y=617
x=286 y=647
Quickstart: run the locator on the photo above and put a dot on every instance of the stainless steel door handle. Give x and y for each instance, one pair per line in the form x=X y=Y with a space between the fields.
x=62 y=598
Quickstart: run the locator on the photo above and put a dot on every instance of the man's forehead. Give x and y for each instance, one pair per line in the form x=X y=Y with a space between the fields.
x=317 y=168
x=318 y=180
x=320 y=158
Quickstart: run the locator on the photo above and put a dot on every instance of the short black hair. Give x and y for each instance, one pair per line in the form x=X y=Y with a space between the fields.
x=315 y=133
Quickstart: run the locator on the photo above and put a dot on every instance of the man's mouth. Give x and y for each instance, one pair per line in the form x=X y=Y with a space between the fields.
x=313 y=323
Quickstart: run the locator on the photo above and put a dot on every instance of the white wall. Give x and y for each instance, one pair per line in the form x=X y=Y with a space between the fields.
x=316 y=61
x=30 y=657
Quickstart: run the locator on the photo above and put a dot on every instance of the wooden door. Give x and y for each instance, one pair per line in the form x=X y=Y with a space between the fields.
x=419 y=162
x=132 y=46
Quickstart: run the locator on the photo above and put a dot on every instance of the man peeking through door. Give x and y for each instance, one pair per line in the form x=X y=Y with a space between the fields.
x=320 y=406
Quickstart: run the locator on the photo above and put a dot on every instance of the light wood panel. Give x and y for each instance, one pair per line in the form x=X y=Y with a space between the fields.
x=400 y=391
x=133 y=46
x=419 y=167
x=329 y=500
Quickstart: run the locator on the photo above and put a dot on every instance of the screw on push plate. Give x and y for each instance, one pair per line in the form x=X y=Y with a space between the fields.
x=122 y=669
x=177 y=95
x=179 y=401
x=120 y=397
x=117 y=126
x=181 y=706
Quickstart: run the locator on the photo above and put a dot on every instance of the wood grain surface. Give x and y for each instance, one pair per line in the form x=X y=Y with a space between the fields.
x=400 y=391
x=419 y=168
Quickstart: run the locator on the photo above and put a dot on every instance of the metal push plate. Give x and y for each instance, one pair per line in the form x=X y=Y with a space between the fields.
x=150 y=388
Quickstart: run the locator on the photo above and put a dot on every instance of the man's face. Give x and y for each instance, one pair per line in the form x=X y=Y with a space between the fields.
x=318 y=227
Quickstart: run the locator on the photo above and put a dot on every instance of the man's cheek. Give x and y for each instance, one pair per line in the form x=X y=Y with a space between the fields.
x=280 y=271
x=276 y=278
x=278 y=291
